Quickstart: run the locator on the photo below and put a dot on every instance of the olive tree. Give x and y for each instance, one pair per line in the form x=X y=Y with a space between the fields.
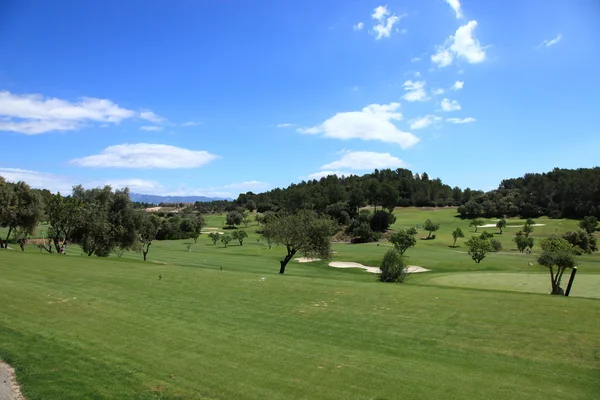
x=501 y=224
x=20 y=207
x=589 y=224
x=476 y=223
x=557 y=255
x=214 y=236
x=456 y=234
x=239 y=236
x=478 y=248
x=225 y=239
x=402 y=240
x=147 y=226
x=303 y=232
x=430 y=227
x=192 y=226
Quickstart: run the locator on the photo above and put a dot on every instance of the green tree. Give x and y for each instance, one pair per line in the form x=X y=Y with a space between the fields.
x=301 y=232
x=485 y=235
x=589 y=224
x=214 y=236
x=62 y=213
x=430 y=227
x=582 y=241
x=527 y=229
x=402 y=241
x=192 y=226
x=21 y=207
x=523 y=241
x=557 y=255
x=234 y=218
x=245 y=219
x=147 y=226
x=456 y=234
x=239 y=235
x=393 y=268
x=477 y=222
x=478 y=248
x=501 y=224
x=225 y=239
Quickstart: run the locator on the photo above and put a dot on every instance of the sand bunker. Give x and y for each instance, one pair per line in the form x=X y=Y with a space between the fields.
x=9 y=388
x=487 y=226
x=307 y=260
x=375 y=270
x=520 y=226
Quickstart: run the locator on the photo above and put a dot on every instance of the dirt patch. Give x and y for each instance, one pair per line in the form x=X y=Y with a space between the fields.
x=9 y=388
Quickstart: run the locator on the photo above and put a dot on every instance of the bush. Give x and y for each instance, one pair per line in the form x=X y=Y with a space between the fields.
x=485 y=235
x=496 y=245
x=393 y=268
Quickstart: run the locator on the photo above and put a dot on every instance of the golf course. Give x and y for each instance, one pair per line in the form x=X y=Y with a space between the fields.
x=205 y=321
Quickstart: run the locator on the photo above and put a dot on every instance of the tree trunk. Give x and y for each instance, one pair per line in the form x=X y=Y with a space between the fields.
x=7 y=237
x=454 y=245
x=56 y=244
x=145 y=252
x=553 y=282
x=286 y=260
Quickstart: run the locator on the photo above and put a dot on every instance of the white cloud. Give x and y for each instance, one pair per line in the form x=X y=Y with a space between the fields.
x=152 y=117
x=374 y=122
x=424 y=122
x=145 y=155
x=358 y=26
x=365 y=160
x=462 y=44
x=415 y=91
x=33 y=114
x=380 y=12
x=461 y=121
x=38 y=180
x=458 y=85
x=415 y=59
x=551 y=42
x=324 y=174
x=455 y=4
x=382 y=30
x=437 y=91
x=284 y=125
x=450 y=105
x=417 y=74
x=151 y=128
x=190 y=123
x=248 y=186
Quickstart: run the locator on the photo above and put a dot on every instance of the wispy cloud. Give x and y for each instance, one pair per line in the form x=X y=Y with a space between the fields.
x=450 y=105
x=551 y=42
x=190 y=123
x=287 y=125
x=455 y=4
x=359 y=26
x=424 y=122
x=415 y=91
x=462 y=44
x=151 y=128
x=461 y=121
x=458 y=85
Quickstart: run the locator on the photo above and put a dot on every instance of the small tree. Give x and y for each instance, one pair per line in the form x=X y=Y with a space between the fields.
x=214 y=236
x=527 y=229
x=430 y=227
x=582 y=241
x=485 y=235
x=589 y=224
x=245 y=219
x=239 y=236
x=478 y=248
x=148 y=226
x=523 y=241
x=558 y=256
x=530 y=221
x=402 y=241
x=392 y=267
x=477 y=222
x=456 y=234
x=234 y=218
x=225 y=239
x=501 y=224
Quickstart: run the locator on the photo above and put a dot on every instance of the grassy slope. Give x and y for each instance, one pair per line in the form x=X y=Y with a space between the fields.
x=79 y=327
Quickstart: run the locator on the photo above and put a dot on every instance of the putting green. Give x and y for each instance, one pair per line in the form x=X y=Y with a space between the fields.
x=585 y=285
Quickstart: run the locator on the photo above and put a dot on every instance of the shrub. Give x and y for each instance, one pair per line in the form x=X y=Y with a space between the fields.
x=496 y=245
x=392 y=267
x=485 y=235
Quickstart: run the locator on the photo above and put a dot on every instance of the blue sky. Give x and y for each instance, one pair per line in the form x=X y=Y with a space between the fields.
x=217 y=98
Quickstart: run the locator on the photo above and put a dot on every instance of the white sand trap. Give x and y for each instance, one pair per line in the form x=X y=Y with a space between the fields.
x=307 y=260
x=211 y=229
x=487 y=226
x=339 y=264
x=520 y=226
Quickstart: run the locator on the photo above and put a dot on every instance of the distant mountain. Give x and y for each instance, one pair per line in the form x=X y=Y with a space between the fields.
x=152 y=199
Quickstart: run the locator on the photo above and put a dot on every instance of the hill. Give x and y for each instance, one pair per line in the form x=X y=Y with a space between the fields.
x=154 y=199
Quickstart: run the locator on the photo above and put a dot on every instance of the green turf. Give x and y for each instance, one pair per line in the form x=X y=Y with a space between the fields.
x=78 y=327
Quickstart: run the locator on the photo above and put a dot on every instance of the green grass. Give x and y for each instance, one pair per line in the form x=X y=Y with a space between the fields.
x=78 y=327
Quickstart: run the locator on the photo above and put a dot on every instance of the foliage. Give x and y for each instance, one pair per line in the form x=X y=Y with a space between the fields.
x=225 y=239
x=214 y=236
x=402 y=240
x=501 y=224
x=589 y=224
x=20 y=207
x=496 y=245
x=471 y=209
x=485 y=235
x=456 y=234
x=523 y=242
x=192 y=226
x=430 y=227
x=148 y=226
x=301 y=232
x=239 y=235
x=234 y=218
x=558 y=255
x=478 y=248
x=476 y=223
x=581 y=241
x=527 y=229
x=63 y=214
x=393 y=268
x=381 y=220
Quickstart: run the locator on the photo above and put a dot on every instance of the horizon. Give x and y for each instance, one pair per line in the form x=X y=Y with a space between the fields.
x=171 y=101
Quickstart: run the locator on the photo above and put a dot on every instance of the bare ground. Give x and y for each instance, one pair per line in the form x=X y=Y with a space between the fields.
x=9 y=388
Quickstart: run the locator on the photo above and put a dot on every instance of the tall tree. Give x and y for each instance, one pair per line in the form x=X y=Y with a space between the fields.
x=62 y=213
x=147 y=226
x=22 y=209
x=301 y=232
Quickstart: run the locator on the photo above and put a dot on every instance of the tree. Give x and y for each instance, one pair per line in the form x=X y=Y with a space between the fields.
x=214 y=236
x=557 y=255
x=527 y=229
x=381 y=220
x=393 y=268
x=582 y=241
x=478 y=248
x=523 y=241
x=239 y=236
x=530 y=221
x=62 y=213
x=234 y=218
x=471 y=209
x=301 y=232
x=430 y=227
x=225 y=239
x=485 y=235
x=477 y=222
x=501 y=224
x=589 y=224
x=456 y=234
x=245 y=219
x=23 y=207
x=148 y=226
x=402 y=241
x=193 y=226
